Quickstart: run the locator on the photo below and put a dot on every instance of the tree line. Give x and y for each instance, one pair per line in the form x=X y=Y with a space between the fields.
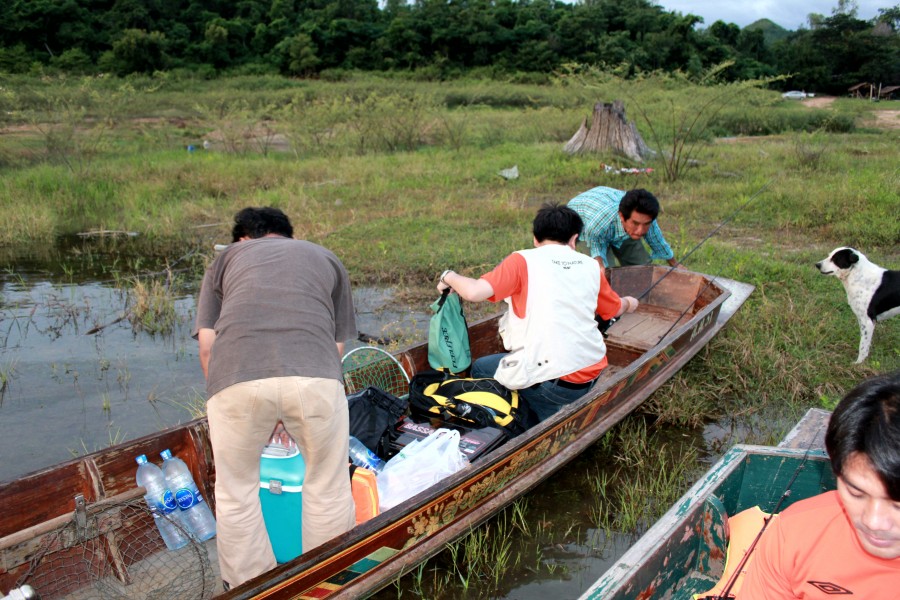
x=438 y=39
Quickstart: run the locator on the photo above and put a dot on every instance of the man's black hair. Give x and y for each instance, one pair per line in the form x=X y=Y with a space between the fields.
x=556 y=222
x=255 y=223
x=639 y=200
x=867 y=422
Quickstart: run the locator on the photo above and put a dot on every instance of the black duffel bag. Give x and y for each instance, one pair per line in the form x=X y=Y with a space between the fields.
x=373 y=415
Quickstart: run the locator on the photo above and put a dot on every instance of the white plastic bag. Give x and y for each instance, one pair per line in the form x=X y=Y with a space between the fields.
x=419 y=465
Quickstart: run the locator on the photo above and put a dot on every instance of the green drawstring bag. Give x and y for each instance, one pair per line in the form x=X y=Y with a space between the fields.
x=448 y=335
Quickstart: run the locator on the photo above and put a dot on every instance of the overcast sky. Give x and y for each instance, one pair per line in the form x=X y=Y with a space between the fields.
x=790 y=14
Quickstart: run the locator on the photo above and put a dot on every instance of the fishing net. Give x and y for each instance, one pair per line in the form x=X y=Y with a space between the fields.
x=117 y=553
x=371 y=366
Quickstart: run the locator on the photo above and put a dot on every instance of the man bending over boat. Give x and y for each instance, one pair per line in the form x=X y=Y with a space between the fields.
x=845 y=542
x=271 y=319
x=553 y=292
x=617 y=222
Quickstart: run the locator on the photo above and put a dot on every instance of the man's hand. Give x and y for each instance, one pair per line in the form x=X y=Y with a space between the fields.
x=472 y=290
x=442 y=282
x=629 y=304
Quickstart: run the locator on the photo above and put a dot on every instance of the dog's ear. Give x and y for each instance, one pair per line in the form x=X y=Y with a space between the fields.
x=845 y=258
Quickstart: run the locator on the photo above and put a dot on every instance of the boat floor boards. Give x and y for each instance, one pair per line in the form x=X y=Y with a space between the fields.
x=639 y=331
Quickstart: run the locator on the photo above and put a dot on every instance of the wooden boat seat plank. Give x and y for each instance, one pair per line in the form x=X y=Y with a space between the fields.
x=643 y=329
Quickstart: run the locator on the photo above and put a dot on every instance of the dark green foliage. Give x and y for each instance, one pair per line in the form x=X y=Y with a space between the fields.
x=437 y=39
x=139 y=52
x=840 y=51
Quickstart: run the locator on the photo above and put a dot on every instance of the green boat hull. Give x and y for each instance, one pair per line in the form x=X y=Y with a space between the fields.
x=684 y=552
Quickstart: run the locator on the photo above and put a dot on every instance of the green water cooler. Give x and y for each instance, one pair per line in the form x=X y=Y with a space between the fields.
x=281 y=474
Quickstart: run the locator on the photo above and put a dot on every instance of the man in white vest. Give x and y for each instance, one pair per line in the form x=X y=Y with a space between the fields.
x=555 y=351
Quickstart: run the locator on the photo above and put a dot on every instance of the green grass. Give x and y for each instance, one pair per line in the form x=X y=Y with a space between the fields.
x=399 y=178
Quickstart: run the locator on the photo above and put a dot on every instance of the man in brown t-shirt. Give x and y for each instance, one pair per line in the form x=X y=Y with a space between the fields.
x=272 y=317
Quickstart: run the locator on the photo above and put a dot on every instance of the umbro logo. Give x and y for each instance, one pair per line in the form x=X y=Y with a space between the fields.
x=832 y=589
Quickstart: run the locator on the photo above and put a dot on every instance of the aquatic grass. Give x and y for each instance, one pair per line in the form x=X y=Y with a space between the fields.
x=423 y=586
x=7 y=374
x=485 y=554
x=123 y=377
x=115 y=436
x=152 y=306
x=194 y=404
x=640 y=477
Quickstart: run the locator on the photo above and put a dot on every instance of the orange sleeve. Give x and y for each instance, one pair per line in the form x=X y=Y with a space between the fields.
x=509 y=279
x=608 y=301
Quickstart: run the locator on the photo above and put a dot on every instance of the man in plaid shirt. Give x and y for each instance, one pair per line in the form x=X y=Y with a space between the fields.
x=615 y=221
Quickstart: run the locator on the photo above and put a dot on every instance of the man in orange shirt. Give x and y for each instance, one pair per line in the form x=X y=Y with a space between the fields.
x=845 y=542
x=556 y=351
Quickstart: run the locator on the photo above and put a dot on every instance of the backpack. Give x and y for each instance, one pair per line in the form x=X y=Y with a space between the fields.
x=472 y=402
x=373 y=415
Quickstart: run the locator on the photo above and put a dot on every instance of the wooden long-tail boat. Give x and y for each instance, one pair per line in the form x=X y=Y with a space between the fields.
x=684 y=553
x=83 y=517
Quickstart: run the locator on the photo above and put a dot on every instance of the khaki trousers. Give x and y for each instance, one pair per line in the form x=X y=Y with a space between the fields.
x=241 y=420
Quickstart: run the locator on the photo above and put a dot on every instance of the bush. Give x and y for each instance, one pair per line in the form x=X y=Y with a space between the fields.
x=252 y=69
x=766 y=121
x=529 y=78
x=74 y=60
x=137 y=51
x=15 y=59
x=334 y=75
x=201 y=72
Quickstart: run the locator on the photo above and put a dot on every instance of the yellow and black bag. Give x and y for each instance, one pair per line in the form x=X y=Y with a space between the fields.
x=473 y=402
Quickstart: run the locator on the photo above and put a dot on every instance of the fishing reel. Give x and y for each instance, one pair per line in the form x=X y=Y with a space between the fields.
x=604 y=324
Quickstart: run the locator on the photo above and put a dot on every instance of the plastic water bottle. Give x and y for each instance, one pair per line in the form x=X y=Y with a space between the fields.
x=26 y=592
x=194 y=511
x=161 y=502
x=361 y=456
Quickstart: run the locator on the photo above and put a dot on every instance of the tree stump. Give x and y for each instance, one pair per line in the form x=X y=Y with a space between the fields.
x=610 y=130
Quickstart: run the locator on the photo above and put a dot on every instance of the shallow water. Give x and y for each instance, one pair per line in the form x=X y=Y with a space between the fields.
x=68 y=392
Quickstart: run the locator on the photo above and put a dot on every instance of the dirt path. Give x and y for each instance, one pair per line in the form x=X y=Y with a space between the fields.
x=818 y=101
x=887 y=118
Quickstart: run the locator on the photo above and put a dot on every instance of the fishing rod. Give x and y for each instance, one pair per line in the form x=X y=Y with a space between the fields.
x=604 y=324
x=688 y=307
x=726 y=591
x=710 y=234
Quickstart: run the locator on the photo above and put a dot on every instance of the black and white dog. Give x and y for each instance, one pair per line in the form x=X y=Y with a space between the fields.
x=873 y=292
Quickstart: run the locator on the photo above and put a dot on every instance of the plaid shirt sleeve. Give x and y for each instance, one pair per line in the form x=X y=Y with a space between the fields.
x=599 y=209
x=658 y=246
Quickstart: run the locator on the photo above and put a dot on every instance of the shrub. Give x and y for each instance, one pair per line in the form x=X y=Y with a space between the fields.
x=74 y=60
x=15 y=59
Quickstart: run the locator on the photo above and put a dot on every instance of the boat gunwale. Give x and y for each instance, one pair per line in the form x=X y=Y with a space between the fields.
x=400 y=514
x=617 y=578
x=194 y=435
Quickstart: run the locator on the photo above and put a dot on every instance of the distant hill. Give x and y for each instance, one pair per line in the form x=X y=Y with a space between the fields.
x=772 y=32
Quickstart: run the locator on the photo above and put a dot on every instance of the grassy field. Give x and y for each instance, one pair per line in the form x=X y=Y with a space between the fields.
x=401 y=180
